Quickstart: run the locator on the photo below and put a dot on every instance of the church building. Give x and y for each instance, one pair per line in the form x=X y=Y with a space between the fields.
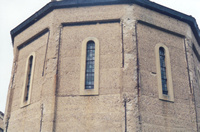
x=105 y=66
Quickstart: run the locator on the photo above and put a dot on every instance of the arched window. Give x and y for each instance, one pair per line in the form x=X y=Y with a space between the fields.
x=164 y=76
x=26 y=93
x=90 y=61
x=89 y=76
x=163 y=70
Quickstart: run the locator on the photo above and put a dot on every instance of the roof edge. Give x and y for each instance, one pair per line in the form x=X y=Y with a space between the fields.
x=78 y=3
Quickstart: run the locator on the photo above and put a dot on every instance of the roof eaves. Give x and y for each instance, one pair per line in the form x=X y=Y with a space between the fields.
x=77 y=3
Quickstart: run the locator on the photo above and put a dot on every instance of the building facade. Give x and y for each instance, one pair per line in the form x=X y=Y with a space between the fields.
x=1 y=122
x=105 y=66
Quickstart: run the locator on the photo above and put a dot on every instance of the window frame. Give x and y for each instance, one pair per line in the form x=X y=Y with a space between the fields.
x=25 y=102
x=94 y=91
x=170 y=95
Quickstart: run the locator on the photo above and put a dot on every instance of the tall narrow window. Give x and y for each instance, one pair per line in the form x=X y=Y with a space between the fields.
x=163 y=70
x=89 y=76
x=164 y=76
x=26 y=93
x=90 y=62
x=29 y=77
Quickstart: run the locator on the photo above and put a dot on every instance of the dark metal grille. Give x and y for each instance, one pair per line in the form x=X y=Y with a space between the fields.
x=29 y=77
x=90 y=59
x=163 y=70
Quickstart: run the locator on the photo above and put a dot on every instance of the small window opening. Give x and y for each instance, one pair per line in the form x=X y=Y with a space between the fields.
x=90 y=63
x=163 y=70
x=29 y=77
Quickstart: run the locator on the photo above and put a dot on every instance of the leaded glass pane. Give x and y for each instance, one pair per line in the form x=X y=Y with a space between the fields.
x=163 y=70
x=90 y=62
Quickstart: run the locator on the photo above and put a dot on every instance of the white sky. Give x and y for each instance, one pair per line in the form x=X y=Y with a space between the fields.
x=13 y=12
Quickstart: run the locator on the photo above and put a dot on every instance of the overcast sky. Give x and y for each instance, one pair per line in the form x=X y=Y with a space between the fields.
x=13 y=12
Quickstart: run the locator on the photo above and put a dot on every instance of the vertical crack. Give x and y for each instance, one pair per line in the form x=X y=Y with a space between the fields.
x=190 y=81
x=122 y=37
x=57 y=79
x=125 y=113
x=41 y=119
x=7 y=117
x=138 y=78
x=46 y=53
